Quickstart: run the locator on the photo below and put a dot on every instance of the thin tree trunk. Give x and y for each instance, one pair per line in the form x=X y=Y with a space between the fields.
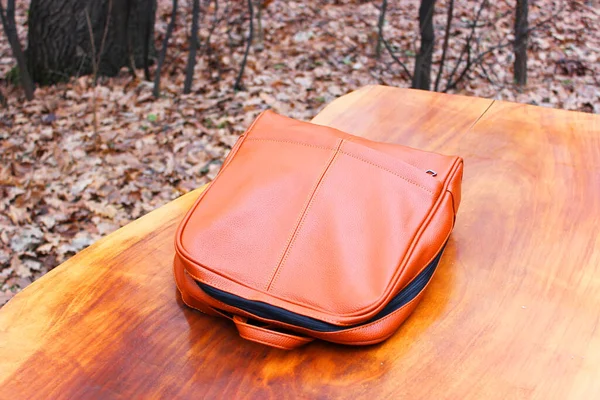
x=238 y=81
x=380 y=28
x=521 y=39
x=10 y=29
x=189 y=73
x=95 y=77
x=163 y=51
x=260 y=35
x=422 y=75
x=449 y=17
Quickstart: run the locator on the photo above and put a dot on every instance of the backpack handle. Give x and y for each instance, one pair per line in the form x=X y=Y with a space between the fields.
x=269 y=337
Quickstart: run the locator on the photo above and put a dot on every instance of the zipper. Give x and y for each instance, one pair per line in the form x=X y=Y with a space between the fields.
x=268 y=311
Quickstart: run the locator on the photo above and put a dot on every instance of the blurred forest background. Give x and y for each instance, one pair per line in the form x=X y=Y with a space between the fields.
x=111 y=108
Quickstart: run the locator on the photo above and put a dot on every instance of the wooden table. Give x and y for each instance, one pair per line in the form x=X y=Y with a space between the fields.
x=512 y=313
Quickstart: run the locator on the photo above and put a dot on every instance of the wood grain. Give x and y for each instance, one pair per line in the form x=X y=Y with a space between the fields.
x=511 y=313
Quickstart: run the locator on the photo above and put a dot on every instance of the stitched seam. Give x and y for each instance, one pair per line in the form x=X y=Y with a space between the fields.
x=290 y=142
x=379 y=151
x=348 y=154
x=278 y=346
x=302 y=218
x=387 y=170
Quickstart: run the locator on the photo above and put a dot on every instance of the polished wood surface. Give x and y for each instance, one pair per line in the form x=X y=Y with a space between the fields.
x=512 y=312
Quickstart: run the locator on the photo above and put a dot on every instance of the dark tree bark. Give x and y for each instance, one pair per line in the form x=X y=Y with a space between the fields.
x=10 y=29
x=521 y=39
x=131 y=61
x=59 y=44
x=422 y=75
x=163 y=50
x=189 y=73
x=148 y=17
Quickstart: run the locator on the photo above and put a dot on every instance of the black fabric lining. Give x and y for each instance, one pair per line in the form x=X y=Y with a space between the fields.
x=268 y=311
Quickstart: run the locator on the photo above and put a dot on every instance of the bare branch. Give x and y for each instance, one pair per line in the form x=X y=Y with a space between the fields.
x=477 y=60
x=396 y=59
x=390 y=50
x=380 y=27
x=449 y=17
x=104 y=36
x=466 y=49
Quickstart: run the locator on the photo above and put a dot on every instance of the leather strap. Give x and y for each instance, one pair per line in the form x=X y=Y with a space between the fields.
x=200 y=306
x=270 y=337
x=264 y=335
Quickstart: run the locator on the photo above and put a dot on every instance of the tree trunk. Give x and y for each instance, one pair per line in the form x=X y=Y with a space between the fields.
x=422 y=75
x=260 y=34
x=238 y=82
x=521 y=39
x=191 y=64
x=10 y=29
x=59 y=44
x=163 y=51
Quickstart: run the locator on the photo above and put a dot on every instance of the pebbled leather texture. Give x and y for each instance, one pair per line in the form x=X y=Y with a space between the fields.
x=318 y=222
x=270 y=337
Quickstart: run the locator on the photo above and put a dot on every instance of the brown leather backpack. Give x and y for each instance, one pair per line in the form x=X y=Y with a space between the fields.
x=309 y=232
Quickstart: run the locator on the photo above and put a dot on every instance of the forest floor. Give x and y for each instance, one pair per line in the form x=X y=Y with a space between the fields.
x=63 y=185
